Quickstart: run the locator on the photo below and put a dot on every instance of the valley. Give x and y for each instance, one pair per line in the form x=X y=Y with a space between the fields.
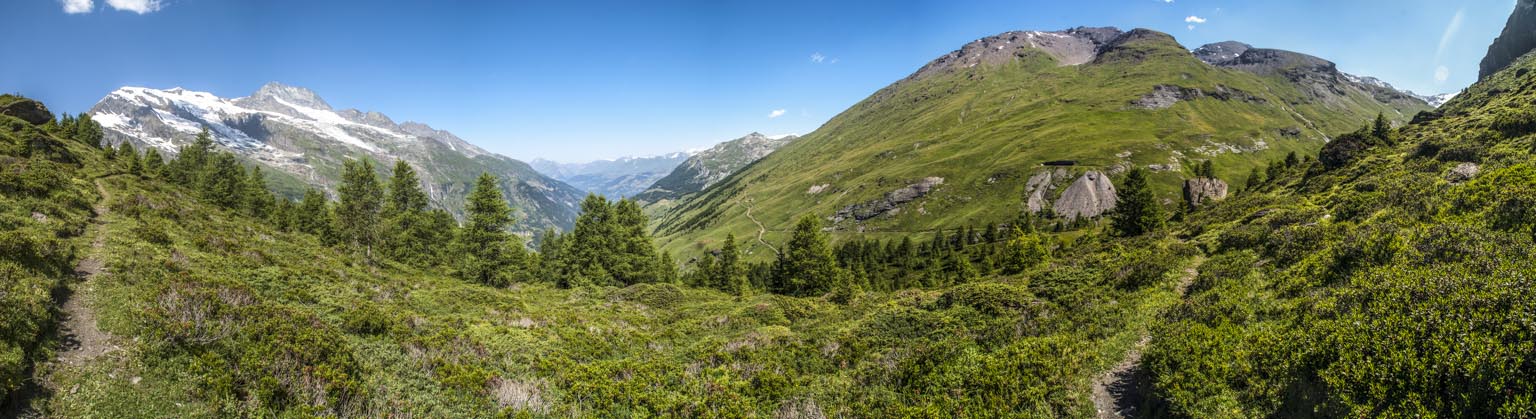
x=1083 y=223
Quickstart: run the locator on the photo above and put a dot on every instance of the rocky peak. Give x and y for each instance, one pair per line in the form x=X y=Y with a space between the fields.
x=1068 y=47
x=27 y=110
x=1274 y=61
x=1518 y=38
x=1221 y=52
x=291 y=94
x=1138 y=45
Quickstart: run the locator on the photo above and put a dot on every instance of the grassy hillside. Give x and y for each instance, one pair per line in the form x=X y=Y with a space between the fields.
x=1396 y=285
x=206 y=312
x=987 y=129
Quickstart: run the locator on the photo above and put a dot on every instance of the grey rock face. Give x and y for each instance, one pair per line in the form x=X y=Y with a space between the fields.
x=28 y=110
x=1089 y=196
x=1221 y=52
x=1037 y=189
x=1200 y=191
x=1463 y=172
x=890 y=203
x=1069 y=47
x=1518 y=38
x=1165 y=96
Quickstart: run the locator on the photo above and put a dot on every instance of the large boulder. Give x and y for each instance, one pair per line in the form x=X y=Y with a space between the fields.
x=890 y=203
x=1519 y=37
x=1089 y=196
x=27 y=110
x=1199 y=191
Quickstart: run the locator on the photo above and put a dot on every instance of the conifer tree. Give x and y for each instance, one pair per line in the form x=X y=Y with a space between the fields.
x=589 y=252
x=405 y=194
x=1137 y=211
x=668 y=269
x=154 y=163
x=729 y=274
x=805 y=266
x=313 y=215
x=484 y=243
x=410 y=234
x=1381 y=129
x=1207 y=170
x=359 y=200
x=258 y=200
x=193 y=160
x=88 y=131
x=1255 y=178
x=224 y=183
x=635 y=258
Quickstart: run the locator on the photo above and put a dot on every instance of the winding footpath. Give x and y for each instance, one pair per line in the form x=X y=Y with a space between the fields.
x=82 y=339
x=761 y=229
x=1117 y=393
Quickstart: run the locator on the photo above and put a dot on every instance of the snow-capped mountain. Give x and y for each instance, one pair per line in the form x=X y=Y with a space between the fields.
x=617 y=178
x=295 y=131
x=1440 y=99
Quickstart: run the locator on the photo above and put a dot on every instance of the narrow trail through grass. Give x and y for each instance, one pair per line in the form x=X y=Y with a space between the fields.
x=1119 y=392
x=82 y=339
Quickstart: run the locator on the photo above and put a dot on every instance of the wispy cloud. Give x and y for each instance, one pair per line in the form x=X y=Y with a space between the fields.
x=1451 y=29
x=77 y=6
x=1442 y=74
x=818 y=58
x=776 y=113
x=136 y=6
x=1194 y=19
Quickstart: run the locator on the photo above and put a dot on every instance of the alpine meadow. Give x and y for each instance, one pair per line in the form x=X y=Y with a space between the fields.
x=931 y=217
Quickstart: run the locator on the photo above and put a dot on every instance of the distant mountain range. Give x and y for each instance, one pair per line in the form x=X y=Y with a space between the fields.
x=618 y=178
x=294 y=130
x=708 y=167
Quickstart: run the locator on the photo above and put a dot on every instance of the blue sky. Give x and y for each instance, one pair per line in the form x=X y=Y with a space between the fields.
x=580 y=80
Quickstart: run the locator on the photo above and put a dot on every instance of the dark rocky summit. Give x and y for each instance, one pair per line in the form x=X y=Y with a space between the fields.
x=1518 y=38
x=27 y=110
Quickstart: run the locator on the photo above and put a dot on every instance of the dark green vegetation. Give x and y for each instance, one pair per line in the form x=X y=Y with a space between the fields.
x=987 y=129
x=1392 y=278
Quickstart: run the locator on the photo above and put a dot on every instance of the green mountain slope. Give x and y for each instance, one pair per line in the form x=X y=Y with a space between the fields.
x=1393 y=278
x=985 y=118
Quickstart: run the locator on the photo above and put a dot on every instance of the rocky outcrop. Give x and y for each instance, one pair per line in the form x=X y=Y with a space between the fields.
x=1199 y=191
x=890 y=203
x=1037 y=190
x=1164 y=96
x=1069 y=47
x=27 y=110
x=1463 y=172
x=1518 y=38
x=1221 y=52
x=1089 y=196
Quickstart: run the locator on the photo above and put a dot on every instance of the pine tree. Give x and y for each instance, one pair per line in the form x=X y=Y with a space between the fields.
x=359 y=200
x=410 y=234
x=1291 y=160
x=1138 y=211
x=1255 y=178
x=154 y=164
x=258 y=199
x=405 y=194
x=484 y=243
x=729 y=274
x=224 y=183
x=589 y=252
x=192 y=161
x=668 y=269
x=635 y=257
x=88 y=131
x=1207 y=170
x=1381 y=129
x=805 y=265
x=313 y=215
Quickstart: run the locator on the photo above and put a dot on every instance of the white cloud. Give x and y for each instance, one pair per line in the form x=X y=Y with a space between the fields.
x=776 y=113
x=1451 y=29
x=136 y=6
x=77 y=6
x=818 y=58
x=1442 y=74
x=1194 y=19
x=1191 y=27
